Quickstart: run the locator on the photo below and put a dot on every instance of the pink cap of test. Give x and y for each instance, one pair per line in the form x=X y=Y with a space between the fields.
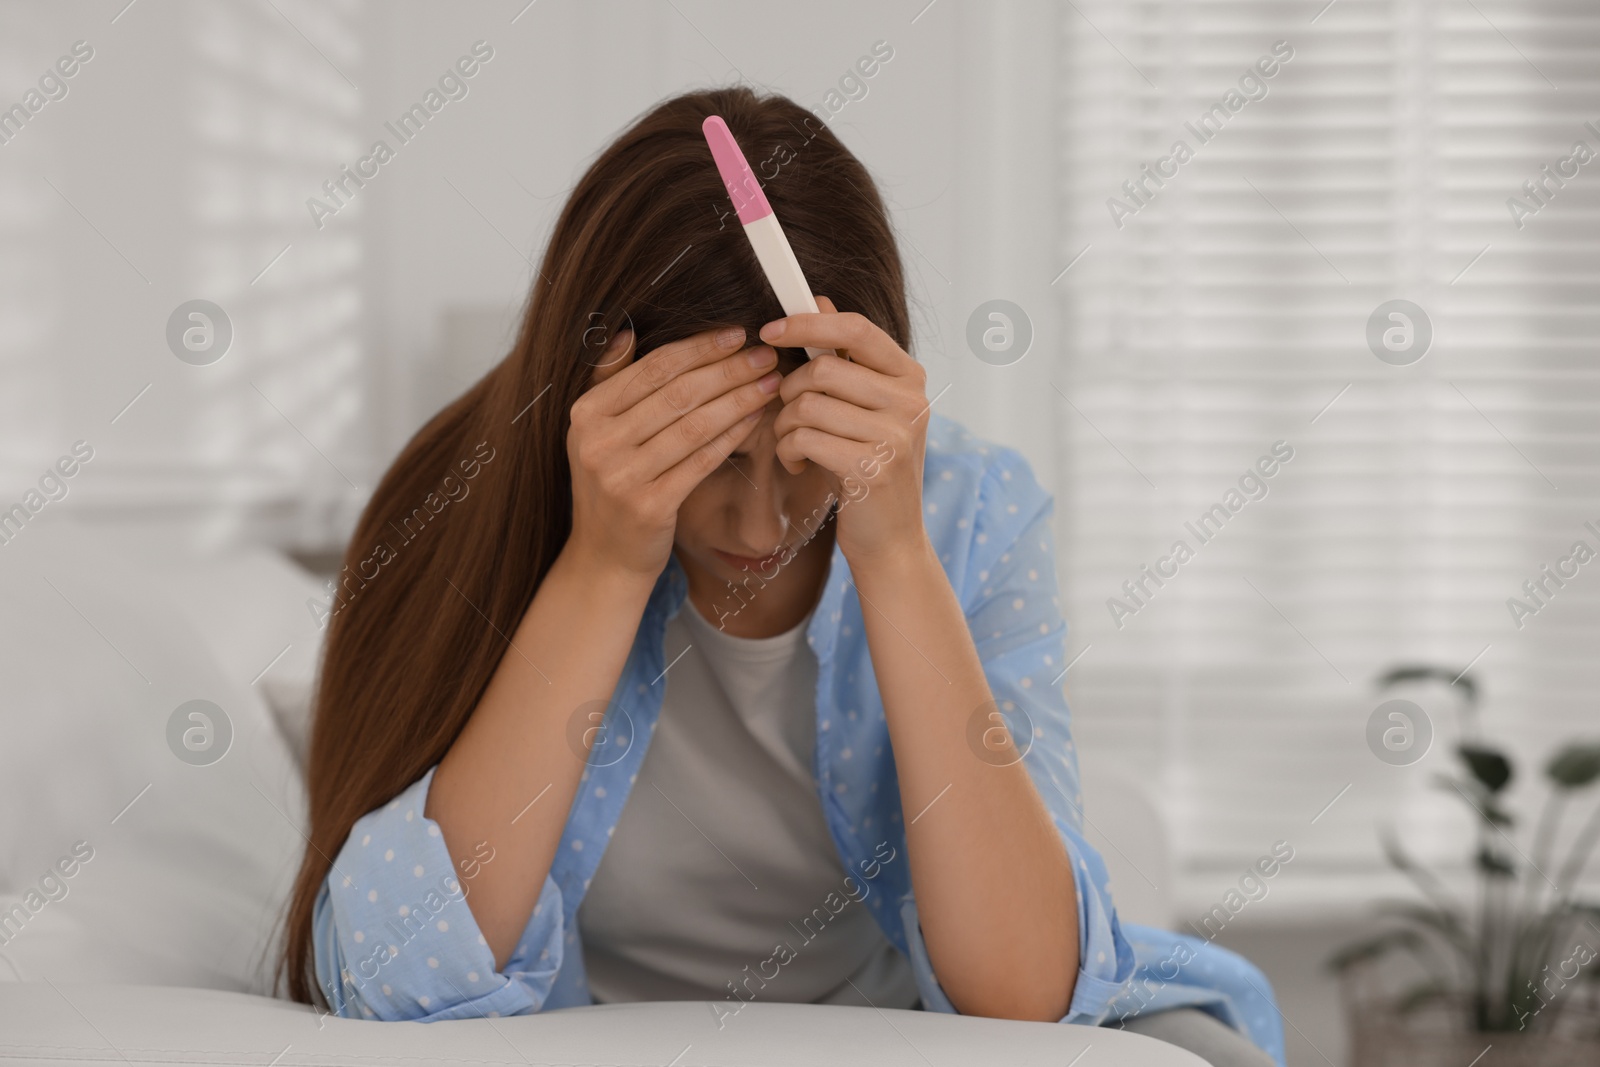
x=748 y=199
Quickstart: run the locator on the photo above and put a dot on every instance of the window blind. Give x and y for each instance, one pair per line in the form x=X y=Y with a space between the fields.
x=176 y=168
x=1224 y=308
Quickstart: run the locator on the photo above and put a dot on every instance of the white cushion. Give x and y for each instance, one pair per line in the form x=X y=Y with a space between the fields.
x=98 y=1024
x=190 y=864
x=1123 y=823
x=249 y=603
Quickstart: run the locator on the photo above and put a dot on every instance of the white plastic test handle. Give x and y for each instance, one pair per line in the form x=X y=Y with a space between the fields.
x=782 y=269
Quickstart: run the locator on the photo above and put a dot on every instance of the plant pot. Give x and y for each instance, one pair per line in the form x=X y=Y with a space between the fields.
x=1442 y=1035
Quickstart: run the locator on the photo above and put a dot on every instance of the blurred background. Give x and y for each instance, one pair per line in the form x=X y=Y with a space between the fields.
x=1170 y=317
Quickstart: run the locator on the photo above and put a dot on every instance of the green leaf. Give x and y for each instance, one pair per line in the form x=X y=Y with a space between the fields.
x=1478 y=798
x=1372 y=948
x=1487 y=765
x=1420 y=876
x=1421 y=995
x=1446 y=925
x=1575 y=766
x=1496 y=814
x=1494 y=864
x=1421 y=672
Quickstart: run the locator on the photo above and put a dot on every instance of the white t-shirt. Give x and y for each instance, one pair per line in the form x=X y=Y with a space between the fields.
x=717 y=875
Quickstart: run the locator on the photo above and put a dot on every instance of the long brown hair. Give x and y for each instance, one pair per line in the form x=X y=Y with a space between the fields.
x=452 y=546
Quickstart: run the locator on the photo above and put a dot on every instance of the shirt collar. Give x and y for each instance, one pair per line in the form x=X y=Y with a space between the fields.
x=672 y=588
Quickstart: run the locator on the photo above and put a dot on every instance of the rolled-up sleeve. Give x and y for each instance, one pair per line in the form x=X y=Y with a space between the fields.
x=394 y=938
x=1012 y=604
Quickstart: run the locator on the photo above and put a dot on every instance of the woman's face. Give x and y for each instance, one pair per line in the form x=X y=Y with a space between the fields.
x=750 y=513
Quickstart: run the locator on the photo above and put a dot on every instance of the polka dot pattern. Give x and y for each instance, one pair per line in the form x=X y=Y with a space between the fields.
x=990 y=523
x=401 y=943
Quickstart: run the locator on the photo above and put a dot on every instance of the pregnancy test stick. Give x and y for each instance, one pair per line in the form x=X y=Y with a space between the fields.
x=760 y=224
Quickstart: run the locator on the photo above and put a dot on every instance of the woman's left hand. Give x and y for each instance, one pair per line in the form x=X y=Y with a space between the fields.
x=864 y=419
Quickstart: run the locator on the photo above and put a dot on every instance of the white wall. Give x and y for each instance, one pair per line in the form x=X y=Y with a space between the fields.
x=174 y=169
x=956 y=127
x=193 y=138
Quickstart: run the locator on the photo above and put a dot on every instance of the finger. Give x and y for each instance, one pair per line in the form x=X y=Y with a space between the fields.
x=694 y=389
x=659 y=366
x=830 y=415
x=827 y=413
x=839 y=377
x=837 y=455
x=704 y=424
x=826 y=304
x=849 y=333
x=617 y=354
x=681 y=478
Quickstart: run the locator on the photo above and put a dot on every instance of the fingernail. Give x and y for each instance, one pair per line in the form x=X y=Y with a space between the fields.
x=731 y=337
x=769 y=383
x=761 y=357
x=774 y=329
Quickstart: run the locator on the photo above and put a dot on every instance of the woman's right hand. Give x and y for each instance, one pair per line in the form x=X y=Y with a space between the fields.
x=642 y=437
x=649 y=430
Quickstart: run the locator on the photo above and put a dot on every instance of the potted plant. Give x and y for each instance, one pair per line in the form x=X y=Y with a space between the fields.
x=1509 y=974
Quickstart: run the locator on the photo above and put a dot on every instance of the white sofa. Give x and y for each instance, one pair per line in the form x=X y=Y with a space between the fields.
x=157 y=946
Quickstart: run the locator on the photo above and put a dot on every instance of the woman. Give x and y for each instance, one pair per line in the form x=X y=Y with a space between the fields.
x=667 y=664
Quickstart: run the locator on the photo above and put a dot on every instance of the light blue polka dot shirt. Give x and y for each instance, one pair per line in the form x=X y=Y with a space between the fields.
x=395 y=939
